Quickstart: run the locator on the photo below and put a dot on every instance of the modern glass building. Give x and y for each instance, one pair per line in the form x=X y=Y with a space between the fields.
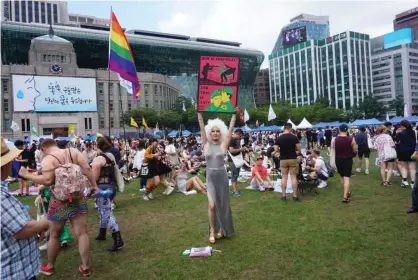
x=395 y=68
x=313 y=27
x=166 y=54
x=337 y=67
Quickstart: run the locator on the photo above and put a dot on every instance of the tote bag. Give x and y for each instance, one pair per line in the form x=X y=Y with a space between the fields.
x=389 y=152
x=238 y=160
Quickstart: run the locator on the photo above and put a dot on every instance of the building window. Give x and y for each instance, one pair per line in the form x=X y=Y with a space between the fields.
x=129 y=104
x=55 y=13
x=111 y=105
x=7 y=124
x=100 y=88
x=36 y=11
x=73 y=18
x=23 y=11
x=87 y=123
x=102 y=122
x=155 y=89
x=43 y=18
x=49 y=9
x=146 y=90
x=63 y=59
x=6 y=104
x=25 y=125
x=17 y=11
x=111 y=89
x=4 y=86
x=112 y=122
x=101 y=106
x=146 y=103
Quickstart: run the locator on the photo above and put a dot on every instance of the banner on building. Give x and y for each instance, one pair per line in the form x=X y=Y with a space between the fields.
x=53 y=94
x=218 y=84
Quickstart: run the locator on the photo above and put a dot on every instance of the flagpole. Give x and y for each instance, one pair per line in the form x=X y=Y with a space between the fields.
x=108 y=68
x=121 y=114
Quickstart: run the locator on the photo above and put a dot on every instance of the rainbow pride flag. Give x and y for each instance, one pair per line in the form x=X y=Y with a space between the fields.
x=121 y=59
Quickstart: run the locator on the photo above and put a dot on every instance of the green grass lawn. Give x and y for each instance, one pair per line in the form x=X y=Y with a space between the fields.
x=318 y=238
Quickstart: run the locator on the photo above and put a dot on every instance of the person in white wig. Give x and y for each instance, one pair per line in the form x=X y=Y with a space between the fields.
x=215 y=139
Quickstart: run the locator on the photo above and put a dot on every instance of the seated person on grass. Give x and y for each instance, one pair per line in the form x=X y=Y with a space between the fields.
x=259 y=175
x=320 y=170
x=180 y=178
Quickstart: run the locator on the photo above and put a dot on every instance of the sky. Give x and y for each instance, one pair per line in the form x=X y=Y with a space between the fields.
x=254 y=23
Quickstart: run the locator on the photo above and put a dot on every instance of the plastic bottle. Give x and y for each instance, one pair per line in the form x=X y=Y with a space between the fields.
x=105 y=193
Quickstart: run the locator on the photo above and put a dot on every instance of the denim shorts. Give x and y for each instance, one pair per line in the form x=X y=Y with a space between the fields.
x=234 y=172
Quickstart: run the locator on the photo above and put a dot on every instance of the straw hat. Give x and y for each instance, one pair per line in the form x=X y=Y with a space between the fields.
x=7 y=154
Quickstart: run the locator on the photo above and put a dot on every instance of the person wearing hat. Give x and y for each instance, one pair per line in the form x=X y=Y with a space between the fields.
x=20 y=257
x=344 y=148
x=259 y=174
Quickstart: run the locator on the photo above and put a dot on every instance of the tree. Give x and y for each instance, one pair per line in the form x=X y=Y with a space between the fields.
x=371 y=107
x=397 y=105
x=354 y=114
x=170 y=119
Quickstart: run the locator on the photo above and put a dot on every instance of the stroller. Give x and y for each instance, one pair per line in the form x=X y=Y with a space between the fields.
x=305 y=182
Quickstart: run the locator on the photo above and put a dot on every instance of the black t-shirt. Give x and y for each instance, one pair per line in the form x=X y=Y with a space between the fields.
x=287 y=144
x=328 y=134
x=235 y=144
x=29 y=156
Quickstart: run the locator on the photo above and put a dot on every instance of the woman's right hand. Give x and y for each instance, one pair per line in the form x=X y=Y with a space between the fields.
x=38 y=200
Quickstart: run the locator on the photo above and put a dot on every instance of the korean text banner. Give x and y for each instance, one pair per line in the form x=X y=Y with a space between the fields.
x=218 y=84
x=53 y=94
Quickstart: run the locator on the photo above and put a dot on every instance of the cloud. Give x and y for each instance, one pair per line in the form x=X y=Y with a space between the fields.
x=256 y=24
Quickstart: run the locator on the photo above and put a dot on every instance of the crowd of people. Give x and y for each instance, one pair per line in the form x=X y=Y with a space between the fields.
x=68 y=173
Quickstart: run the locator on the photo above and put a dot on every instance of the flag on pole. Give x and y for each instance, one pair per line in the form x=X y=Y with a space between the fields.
x=133 y=123
x=157 y=129
x=121 y=60
x=15 y=127
x=405 y=111
x=33 y=130
x=271 y=115
x=387 y=116
x=144 y=123
x=246 y=116
x=184 y=107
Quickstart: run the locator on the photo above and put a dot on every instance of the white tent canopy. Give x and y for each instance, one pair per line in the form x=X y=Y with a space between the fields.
x=304 y=124
x=290 y=121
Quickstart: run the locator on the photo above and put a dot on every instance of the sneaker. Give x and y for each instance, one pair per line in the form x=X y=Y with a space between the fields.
x=45 y=270
x=283 y=198
x=261 y=188
x=142 y=190
x=169 y=190
x=295 y=198
x=43 y=247
x=236 y=193
x=358 y=170
x=165 y=191
x=322 y=184
x=64 y=244
x=412 y=210
x=85 y=272
x=367 y=172
x=147 y=196
x=404 y=184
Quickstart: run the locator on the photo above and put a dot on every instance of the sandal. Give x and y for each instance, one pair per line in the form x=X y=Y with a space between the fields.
x=220 y=234
x=346 y=200
x=349 y=195
x=212 y=236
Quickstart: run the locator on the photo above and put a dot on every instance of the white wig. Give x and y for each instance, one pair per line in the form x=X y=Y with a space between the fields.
x=219 y=124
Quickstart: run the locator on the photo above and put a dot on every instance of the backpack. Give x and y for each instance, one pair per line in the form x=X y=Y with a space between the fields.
x=331 y=170
x=70 y=182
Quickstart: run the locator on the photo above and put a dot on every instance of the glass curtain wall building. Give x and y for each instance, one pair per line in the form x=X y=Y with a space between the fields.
x=166 y=54
x=313 y=27
x=337 y=67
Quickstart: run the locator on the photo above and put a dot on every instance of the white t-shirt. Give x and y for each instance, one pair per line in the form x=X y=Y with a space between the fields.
x=139 y=159
x=320 y=163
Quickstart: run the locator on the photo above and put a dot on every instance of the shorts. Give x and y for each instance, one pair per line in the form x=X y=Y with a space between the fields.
x=321 y=176
x=291 y=165
x=344 y=166
x=328 y=142
x=364 y=153
x=62 y=211
x=234 y=172
x=405 y=156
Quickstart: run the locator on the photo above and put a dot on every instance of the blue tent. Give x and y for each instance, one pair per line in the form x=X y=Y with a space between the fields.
x=186 y=132
x=395 y=120
x=368 y=122
x=173 y=133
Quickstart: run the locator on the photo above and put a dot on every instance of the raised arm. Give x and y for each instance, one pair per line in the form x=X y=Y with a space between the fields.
x=202 y=128
x=225 y=144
